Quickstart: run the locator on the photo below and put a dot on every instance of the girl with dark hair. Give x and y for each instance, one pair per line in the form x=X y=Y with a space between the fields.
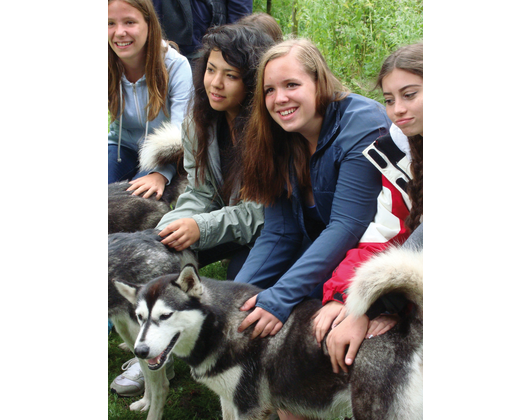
x=210 y=215
x=401 y=81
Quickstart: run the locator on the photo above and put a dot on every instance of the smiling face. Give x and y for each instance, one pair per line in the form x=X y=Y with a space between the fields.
x=290 y=97
x=224 y=85
x=403 y=93
x=127 y=33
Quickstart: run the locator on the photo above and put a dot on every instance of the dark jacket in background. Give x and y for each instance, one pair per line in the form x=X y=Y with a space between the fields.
x=186 y=21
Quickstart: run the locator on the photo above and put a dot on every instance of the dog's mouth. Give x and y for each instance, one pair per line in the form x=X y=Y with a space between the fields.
x=157 y=362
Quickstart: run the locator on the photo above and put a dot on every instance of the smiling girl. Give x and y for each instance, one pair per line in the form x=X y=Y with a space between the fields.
x=149 y=83
x=210 y=216
x=304 y=162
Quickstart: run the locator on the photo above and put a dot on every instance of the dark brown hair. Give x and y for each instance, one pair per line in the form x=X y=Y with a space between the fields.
x=241 y=47
x=410 y=58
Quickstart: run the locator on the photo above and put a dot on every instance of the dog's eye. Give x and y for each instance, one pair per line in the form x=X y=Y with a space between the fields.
x=140 y=317
x=165 y=316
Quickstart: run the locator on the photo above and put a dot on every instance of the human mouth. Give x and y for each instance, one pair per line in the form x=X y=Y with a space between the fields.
x=216 y=96
x=287 y=112
x=123 y=44
x=403 y=121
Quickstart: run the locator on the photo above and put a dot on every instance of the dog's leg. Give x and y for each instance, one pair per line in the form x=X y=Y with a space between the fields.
x=228 y=409
x=230 y=412
x=156 y=390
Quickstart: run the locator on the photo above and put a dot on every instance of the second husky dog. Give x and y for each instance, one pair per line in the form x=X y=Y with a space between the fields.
x=197 y=319
x=131 y=213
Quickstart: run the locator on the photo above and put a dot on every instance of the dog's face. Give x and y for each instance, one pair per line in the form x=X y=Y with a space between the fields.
x=169 y=315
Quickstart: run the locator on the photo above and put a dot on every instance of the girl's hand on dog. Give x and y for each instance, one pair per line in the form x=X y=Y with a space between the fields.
x=180 y=234
x=267 y=324
x=349 y=334
x=381 y=325
x=148 y=185
x=329 y=316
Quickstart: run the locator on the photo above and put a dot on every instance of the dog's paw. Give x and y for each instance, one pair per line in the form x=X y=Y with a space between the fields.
x=124 y=347
x=140 y=405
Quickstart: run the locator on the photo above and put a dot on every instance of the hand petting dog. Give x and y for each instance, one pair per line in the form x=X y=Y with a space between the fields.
x=267 y=323
x=148 y=185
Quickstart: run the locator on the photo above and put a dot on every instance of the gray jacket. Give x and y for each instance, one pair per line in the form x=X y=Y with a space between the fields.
x=239 y=221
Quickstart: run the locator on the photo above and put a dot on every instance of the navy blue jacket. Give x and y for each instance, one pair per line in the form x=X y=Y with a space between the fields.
x=345 y=188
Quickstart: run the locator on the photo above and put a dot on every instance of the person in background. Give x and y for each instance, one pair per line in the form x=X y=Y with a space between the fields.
x=401 y=81
x=149 y=83
x=266 y=23
x=187 y=21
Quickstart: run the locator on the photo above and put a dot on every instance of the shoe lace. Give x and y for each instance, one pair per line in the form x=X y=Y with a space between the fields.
x=129 y=363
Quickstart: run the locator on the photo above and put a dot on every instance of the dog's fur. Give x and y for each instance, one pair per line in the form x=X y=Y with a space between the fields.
x=392 y=389
x=197 y=319
x=138 y=257
x=131 y=213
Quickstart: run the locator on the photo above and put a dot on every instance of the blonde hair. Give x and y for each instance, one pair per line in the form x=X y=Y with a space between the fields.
x=156 y=74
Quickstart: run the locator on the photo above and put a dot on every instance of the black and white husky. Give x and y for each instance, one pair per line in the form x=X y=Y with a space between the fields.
x=197 y=320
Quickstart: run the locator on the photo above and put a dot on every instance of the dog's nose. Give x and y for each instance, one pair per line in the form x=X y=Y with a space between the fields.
x=141 y=351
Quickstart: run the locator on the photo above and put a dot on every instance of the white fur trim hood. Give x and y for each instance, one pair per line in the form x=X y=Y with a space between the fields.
x=162 y=147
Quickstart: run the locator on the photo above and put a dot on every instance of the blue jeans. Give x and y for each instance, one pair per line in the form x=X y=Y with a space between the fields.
x=125 y=170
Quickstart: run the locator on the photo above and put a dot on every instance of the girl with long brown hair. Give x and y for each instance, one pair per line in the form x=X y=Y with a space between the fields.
x=303 y=161
x=149 y=84
x=210 y=215
x=401 y=81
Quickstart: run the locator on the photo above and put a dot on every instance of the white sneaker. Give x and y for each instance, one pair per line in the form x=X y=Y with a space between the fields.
x=131 y=382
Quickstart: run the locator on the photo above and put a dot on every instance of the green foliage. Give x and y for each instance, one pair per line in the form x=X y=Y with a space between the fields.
x=355 y=36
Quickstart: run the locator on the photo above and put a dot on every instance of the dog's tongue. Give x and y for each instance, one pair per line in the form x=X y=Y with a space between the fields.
x=155 y=360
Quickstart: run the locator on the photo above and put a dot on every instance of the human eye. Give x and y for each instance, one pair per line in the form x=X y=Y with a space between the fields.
x=410 y=95
x=111 y=23
x=292 y=85
x=232 y=76
x=388 y=101
x=268 y=91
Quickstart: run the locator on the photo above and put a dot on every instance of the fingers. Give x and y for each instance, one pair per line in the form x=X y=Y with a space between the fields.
x=340 y=317
x=381 y=325
x=249 y=304
x=180 y=234
x=148 y=185
x=266 y=323
x=321 y=326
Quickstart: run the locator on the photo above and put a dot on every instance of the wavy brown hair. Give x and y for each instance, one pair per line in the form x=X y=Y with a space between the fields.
x=241 y=46
x=410 y=58
x=155 y=69
x=270 y=150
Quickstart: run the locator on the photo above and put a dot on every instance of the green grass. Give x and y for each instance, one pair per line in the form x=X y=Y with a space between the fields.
x=187 y=400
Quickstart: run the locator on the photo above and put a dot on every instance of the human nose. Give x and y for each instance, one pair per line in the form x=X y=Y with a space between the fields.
x=217 y=80
x=399 y=107
x=120 y=30
x=281 y=97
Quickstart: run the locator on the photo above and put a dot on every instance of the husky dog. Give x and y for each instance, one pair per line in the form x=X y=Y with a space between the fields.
x=197 y=320
x=138 y=257
x=131 y=213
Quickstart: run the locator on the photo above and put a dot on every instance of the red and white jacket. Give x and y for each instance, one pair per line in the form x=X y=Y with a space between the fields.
x=393 y=206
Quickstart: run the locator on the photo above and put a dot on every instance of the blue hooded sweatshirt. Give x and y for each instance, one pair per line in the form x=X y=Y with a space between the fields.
x=134 y=124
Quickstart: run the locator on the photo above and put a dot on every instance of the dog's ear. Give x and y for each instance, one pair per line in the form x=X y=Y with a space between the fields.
x=127 y=290
x=189 y=281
